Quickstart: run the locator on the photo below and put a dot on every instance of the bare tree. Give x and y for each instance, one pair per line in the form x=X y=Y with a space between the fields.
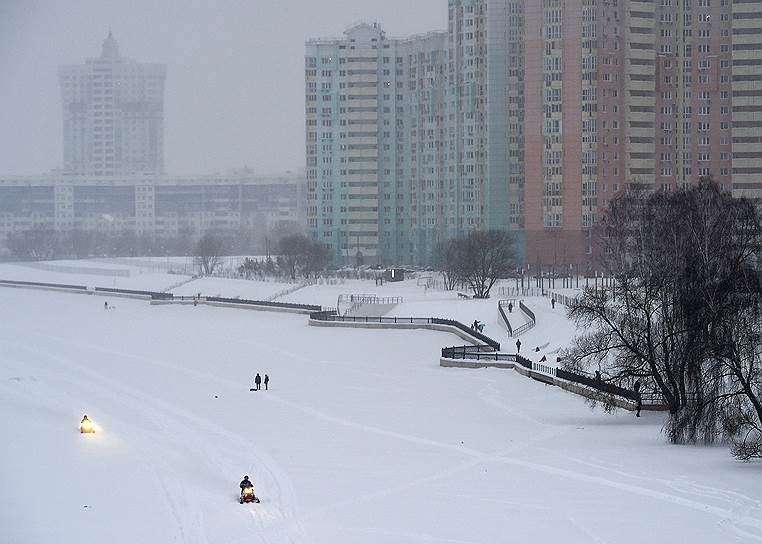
x=449 y=261
x=302 y=255
x=316 y=257
x=38 y=243
x=680 y=263
x=209 y=251
x=485 y=256
x=740 y=380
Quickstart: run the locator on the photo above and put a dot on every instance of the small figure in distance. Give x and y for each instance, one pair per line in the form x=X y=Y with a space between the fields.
x=267 y=381
x=638 y=400
x=86 y=425
x=105 y=305
x=257 y=381
x=247 y=491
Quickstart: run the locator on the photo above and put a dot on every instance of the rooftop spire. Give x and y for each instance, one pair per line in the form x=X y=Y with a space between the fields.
x=110 y=47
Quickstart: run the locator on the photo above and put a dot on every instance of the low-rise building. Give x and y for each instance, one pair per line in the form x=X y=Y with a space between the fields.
x=157 y=205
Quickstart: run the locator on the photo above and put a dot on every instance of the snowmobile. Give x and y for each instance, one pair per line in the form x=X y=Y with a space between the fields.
x=247 y=495
x=87 y=426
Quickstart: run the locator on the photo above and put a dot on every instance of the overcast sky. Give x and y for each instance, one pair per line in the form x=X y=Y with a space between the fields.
x=235 y=71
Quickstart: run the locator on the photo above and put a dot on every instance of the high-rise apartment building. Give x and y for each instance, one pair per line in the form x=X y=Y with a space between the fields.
x=113 y=115
x=544 y=110
x=376 y=157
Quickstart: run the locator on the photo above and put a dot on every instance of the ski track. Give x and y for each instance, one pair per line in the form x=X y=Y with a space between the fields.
x=584 y=530
x=420 y=537
x=274 y=520
x=739 y=508
x=179 y=429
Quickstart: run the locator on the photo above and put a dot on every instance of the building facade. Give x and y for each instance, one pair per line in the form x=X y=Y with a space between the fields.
x=113 y=115
x=160 y=206
x=375 y=131
x=540 y=112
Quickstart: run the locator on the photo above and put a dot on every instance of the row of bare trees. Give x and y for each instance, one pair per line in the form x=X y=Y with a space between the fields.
x=684 y=314
x=41 y=243
x=478 y=259
x=298 y=255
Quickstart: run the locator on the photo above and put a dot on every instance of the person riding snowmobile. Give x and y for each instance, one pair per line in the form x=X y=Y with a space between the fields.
x=247 y=491
x=246 y=483
x=86 y=425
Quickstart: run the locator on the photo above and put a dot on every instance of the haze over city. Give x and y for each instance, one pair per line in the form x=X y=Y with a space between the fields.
x=235 y=72
x=381 y=272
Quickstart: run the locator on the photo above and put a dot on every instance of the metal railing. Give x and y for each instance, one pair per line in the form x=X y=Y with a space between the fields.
x=545 y=369
x=483 y=353
x=519 y=292
x=289 y=305
x=563 y=299
x=332 y=316
x=526 y=326
x=153 y=294
x=594 y=383
x=41 y=284
x=369 y=299
x=504 y=317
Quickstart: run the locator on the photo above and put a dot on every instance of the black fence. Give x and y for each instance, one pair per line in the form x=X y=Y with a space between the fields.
x=504 y=318
x=40 y=284
x=483 y=353
x=563 y=299
x=494 y=344
x=153 y=294
x=594 y=383
x=332 y=316
x=288 y=305
x=527 y=311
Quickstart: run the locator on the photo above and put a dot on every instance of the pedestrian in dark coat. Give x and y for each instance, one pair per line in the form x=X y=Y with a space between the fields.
x=257 y=381
x=553 y=303
x=518 y=346
x=105 y=305
x=267 y=381
x=638 y=400
x=510 y=307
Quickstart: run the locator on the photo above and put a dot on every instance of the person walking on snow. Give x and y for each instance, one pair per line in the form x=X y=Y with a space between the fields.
x=552 y=304
x=638 y=400
x=267 y=381
x=105 y=305
x=257 y=381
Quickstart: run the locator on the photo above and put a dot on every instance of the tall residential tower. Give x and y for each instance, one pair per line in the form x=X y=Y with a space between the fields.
x=113 y=115
x=529 y=116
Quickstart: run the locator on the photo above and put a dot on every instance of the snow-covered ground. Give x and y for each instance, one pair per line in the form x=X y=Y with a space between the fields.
x=81 y=273
x=233 y=288
x=362 y=437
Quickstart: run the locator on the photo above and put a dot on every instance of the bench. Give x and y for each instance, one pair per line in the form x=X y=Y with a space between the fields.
x=462 y=295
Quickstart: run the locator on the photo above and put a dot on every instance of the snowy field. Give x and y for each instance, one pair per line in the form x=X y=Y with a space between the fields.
x=233 y=288
x=91 y=273
x=362 y=438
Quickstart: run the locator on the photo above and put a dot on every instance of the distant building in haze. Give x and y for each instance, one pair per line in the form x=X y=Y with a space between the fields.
x=113 y=115
x=158 y=206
